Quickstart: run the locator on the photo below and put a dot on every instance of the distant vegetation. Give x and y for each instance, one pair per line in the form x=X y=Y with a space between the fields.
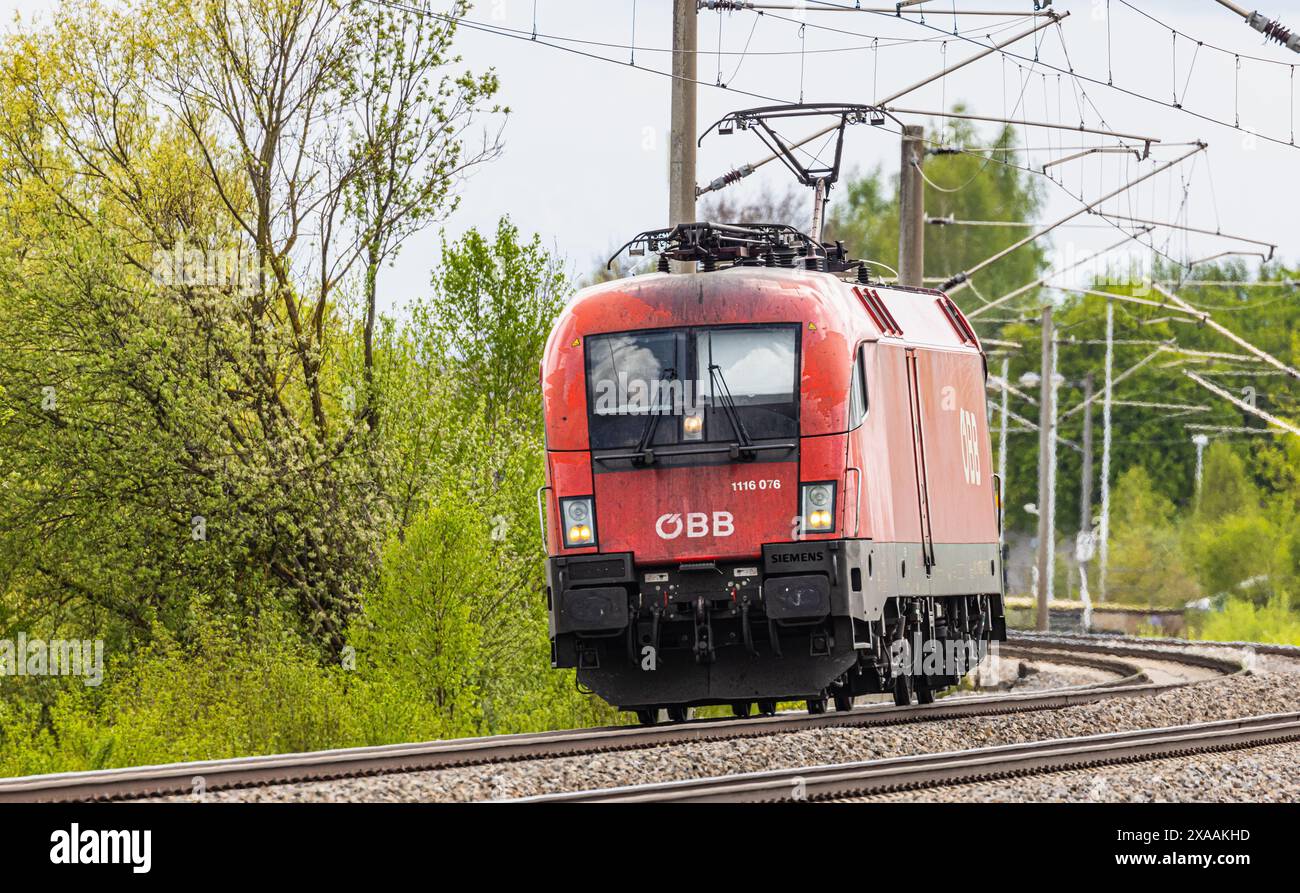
x=293 y=523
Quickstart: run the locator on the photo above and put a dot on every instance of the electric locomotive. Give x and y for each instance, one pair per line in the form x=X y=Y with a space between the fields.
x=768 y=480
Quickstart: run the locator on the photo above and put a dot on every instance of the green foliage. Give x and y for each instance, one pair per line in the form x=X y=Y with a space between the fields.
x=422 y=627
x=218 y=458
x=1146 y=564
x=451 y=639
x=1230 y=548
x=491 y=310
x=224 y=695
x=1226 y=489
x=1154 y=438
x=1138 y=506
x=1275 y=621
x=231 y=692
x=960 y=186
x=1246 y=555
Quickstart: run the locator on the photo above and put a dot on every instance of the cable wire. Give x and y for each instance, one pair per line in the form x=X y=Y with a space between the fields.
x=1083 y=77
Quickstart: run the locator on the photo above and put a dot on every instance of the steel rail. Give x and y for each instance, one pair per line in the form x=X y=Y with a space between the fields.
x=956 y=767
x=1099 y=639
x=212 y=775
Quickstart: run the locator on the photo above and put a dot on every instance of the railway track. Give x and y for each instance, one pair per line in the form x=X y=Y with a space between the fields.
x=848 y=780
x=1049 y=639
x=213 y=775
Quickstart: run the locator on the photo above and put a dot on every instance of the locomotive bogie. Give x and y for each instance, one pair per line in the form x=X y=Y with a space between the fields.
x=806 y=620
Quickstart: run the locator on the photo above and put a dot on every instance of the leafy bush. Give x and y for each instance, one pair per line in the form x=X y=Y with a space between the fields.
x=451 y=637
x=1244 y=621
x=231 y=693
x=1146 y=556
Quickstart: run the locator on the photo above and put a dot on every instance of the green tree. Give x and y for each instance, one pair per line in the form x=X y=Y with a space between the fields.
x=492 y=306
x=422 y=625
x=1244 y=555
x=410 y=148
x=1226 y=489
x=1146 y=565
x=201 y=179
x=961 y=186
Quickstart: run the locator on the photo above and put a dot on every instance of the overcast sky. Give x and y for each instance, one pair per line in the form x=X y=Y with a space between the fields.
x=585 y=162
x=586 y=159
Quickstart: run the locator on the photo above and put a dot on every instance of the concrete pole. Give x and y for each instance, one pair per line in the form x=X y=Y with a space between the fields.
x=911 y=208
x=1051 y=474
x=1103 y=532
x=1045 y=432
x=681 y=140
x=1085 y=474
x=1002 y=437
x=1200 y=440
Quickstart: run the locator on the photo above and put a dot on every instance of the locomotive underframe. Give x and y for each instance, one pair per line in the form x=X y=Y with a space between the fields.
x=807 y=621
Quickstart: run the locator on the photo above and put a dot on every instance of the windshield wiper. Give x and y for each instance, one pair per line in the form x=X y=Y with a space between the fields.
x=644 y=454
x=744 y=442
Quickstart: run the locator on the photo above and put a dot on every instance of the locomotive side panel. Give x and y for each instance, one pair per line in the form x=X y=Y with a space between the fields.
x=889 y=479
x=955 y=424
x=890 y=559
x=963 y=511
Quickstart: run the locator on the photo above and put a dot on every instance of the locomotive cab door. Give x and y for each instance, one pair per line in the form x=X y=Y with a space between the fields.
x=918 y=457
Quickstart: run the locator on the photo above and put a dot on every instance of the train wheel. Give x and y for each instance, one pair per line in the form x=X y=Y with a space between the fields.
x=767 y=708
x=680 y=713
x=816 y=706
x=647 y=717
x=741 y=708
x=843 y=702
x=903 y=691
x=924 y=693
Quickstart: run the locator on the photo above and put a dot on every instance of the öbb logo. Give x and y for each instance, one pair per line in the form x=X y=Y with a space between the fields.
x=970 y=447
x=695 y=525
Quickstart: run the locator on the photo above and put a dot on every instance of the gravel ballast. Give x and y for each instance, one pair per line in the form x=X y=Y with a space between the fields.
x=1224 y=698
x=1259 y=775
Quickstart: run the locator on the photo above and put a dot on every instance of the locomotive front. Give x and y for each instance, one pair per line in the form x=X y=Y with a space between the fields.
x=696 y=470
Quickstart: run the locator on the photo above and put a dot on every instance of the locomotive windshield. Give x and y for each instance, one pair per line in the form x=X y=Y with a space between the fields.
x=693 y=387
x=755 y=364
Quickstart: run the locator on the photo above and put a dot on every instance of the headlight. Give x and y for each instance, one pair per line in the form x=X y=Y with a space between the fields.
x=818 y=507
x=579 y=517
x=693 y=425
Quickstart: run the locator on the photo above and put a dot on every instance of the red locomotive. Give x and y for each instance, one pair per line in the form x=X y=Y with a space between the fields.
x=767 y=480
